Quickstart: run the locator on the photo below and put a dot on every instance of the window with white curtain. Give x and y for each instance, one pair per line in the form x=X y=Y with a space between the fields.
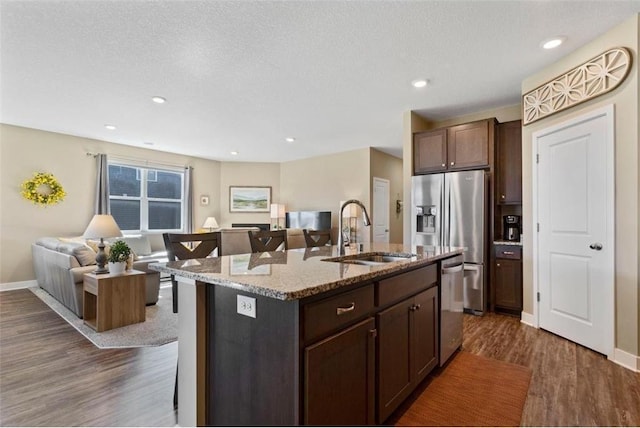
x=145 y=199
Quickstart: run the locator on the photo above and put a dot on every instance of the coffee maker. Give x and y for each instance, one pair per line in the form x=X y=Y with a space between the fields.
x=511 y=227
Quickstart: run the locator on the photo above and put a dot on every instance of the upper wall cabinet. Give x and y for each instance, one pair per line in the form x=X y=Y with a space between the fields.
x=509 y=163
x=430 y=151
x=460 y=147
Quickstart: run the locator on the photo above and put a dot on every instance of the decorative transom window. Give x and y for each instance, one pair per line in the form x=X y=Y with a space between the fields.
x=146 y=199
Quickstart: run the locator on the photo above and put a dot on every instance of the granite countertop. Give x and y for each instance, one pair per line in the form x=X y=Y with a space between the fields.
x=299 y=273
x=517 y=243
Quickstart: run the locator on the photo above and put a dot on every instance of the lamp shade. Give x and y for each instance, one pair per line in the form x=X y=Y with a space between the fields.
x=210 y=223
x=277 y=210
x=102 y=226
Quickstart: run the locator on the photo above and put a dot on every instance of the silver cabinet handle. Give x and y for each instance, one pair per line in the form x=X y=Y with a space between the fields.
x=453 y=163
x=508 y=253
x=444 y=164
x=596 y=246
x=502 y=196
x=452 y=269
x=341 y=311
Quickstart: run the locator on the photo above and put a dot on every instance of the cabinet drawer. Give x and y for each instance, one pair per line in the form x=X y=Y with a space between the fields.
x=508 y=252
x=329 y=314
x=406 y=284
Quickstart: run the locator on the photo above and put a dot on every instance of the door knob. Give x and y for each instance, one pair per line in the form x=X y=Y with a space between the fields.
x=596 y=246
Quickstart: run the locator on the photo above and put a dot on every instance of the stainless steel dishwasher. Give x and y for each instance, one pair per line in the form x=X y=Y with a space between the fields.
x=451 y=306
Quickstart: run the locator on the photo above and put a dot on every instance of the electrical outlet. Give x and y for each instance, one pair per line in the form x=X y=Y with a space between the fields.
x=247 y=306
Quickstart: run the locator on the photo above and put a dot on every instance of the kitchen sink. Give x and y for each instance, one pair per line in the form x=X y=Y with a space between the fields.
x=371 y=259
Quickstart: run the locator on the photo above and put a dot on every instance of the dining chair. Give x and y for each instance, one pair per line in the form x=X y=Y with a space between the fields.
x=317 y=238
x=267 y=240
x=185 y=246
x=198 y=246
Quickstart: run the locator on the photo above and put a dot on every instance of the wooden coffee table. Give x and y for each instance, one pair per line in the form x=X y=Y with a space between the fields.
x=112 y=301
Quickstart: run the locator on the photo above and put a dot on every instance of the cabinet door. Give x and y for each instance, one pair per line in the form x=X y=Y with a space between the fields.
x=430 y=152
x=509 y=163
x=394 y=359
x=339 y=378
x=468 y=145
x=425 y=333
x=508 y=274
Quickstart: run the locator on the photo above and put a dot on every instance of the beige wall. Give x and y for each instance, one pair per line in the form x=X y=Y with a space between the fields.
x=24 y=151
x=502 y=114
x=389 y=167
x=411 y=122
x=320 y=183
x=627 y=181
x=247 y=174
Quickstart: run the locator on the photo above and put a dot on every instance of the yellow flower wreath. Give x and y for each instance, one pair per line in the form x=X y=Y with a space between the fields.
x=43 y=189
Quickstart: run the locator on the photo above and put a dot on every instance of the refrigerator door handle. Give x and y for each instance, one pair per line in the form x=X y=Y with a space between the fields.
x=471 y=267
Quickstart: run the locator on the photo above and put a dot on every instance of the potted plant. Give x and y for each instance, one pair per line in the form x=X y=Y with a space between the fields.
x=118 y=255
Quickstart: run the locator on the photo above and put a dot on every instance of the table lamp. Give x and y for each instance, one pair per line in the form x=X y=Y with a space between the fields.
x=210 y=223
x=277 y=212
x=102 y=226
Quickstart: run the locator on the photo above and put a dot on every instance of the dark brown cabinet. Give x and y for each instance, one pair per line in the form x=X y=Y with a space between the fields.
x=430 y=152
x=508 y=278
x=468 y=145
x=509 y=163
x=339 y=377
x=407 y=348
x=460 y=147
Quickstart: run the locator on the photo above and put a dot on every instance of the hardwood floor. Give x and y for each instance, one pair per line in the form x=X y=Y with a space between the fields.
x=570 y=385
x=50 y=375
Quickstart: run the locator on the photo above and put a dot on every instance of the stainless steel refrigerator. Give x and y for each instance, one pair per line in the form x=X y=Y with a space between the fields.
x=451 y=209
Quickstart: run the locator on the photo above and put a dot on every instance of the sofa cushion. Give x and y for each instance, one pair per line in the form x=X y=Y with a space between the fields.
x=83 y=253
x=139 y=244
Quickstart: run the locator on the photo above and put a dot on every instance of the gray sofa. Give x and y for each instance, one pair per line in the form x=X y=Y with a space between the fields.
x=60 y=264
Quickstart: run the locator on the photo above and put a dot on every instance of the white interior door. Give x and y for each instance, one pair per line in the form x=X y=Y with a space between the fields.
x=380 y=210
x=575 y=241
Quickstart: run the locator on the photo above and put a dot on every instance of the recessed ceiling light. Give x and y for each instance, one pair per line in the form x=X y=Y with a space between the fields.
x=110 y=127
x=234 y=153
x=159 y=100
x=553 y=42
x=419 y=83
x=289 y=139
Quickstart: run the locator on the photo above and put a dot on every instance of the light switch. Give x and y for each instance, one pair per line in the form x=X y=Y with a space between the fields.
x=246 y=306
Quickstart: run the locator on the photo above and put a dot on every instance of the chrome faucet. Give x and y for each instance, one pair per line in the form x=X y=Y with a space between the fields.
x=365 y=219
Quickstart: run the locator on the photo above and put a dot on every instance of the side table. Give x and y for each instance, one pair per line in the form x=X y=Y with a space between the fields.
x=112 y=301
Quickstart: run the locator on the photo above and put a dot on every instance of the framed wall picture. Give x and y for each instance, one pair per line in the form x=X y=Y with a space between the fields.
x=249 y=199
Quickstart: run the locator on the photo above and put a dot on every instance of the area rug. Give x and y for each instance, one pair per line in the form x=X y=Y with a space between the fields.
x=471 y=391
x=159 y=328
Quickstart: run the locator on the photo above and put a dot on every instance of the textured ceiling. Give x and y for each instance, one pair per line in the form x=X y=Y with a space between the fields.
x=243 y=75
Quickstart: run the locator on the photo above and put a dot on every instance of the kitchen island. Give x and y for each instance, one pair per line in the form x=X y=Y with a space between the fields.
x=305 y=336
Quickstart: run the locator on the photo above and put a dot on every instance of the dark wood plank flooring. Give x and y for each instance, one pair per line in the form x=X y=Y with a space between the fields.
x=50 y=375
x=570 y=385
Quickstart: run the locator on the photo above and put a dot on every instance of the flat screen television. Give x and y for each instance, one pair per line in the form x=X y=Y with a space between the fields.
x=312 y=220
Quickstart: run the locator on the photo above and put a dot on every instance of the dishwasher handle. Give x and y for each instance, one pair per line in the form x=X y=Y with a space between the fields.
x=453 y=269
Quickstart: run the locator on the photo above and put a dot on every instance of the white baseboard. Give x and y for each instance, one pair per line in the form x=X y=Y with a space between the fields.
x=626 y=359
x=6 y=286
x=528 y=319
